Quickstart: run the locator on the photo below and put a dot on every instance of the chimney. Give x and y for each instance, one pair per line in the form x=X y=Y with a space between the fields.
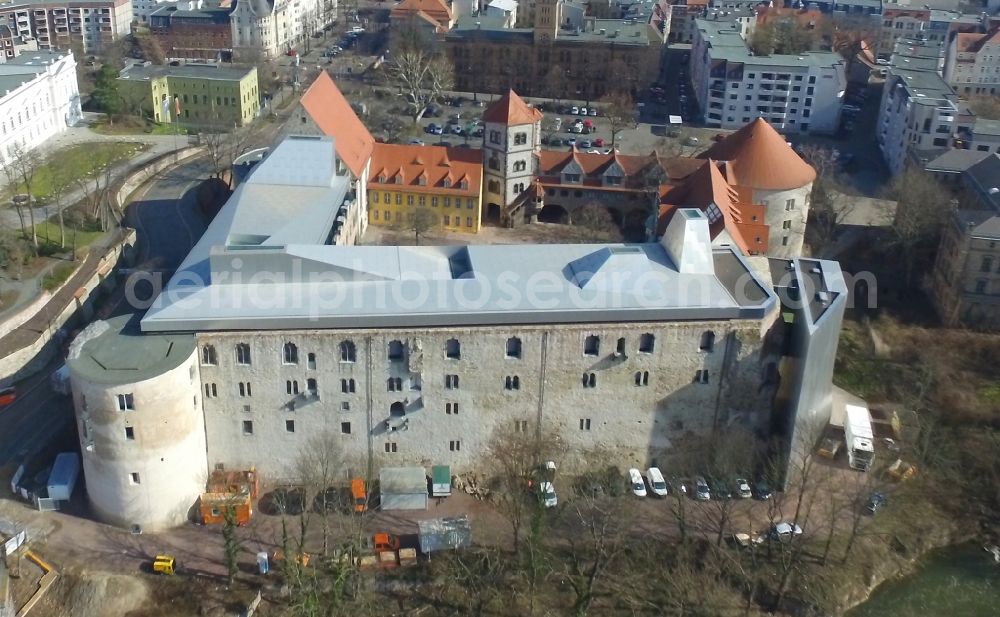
x=688 y=242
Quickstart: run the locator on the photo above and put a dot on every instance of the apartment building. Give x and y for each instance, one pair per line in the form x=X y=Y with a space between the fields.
x=87 y=24
x=903 y=21
x=793 y=93
x=584 y=59
x=683 y=15
x=920 y=116
x=193 y=30
x=39 y=98
x=194 y=94
x=972 y=63
x=13 y=45
x=420 y=355
x=446 y=182
x=273 y=27
x=965 y=282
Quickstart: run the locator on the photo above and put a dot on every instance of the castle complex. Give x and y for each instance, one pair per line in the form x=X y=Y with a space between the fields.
x=276 y=329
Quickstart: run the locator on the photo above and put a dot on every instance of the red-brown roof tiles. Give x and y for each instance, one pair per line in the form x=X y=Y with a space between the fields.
x=758 y=157
x=426 y=169
x=512 y=110
x=331 y=112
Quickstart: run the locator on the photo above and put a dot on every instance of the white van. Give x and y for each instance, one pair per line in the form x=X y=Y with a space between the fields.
x=656 y=481
x=635 y=481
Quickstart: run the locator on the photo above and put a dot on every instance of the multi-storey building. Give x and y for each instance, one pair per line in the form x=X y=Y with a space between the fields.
x=793 y=93
x=444 y=181
x=189 y=30
x=683 y=15
x=14 y=45
x=87 y=24
x=972 y=63
x=965 y=283
x=39 y=98
x=194 y=94
x=902 y=21
x=580 y=61
x=273 y=27
x=434 y=16
x=268 y=336
x=919 y=114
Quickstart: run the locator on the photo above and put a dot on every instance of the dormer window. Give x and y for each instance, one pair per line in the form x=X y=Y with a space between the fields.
x=572 y=177
x=422 y=180
x=381 y=178
x=464 y=184
x=447 y=183
x=613 y=180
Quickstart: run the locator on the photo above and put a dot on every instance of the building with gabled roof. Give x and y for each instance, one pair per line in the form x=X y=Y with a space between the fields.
x=511 y=109
x=323 y=110
x=972 y=63
x=436 y=15
x=448 y=182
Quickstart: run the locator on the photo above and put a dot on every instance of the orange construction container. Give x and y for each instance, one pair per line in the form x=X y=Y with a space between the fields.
x=234 y=482
x=359 y=497
x=213 y=507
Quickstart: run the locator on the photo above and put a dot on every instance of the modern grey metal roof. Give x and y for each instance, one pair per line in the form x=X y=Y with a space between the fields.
x=490 y=26
x=264 y=264
x=116 y=352
x=955 y=160
x=20 y=70
x=980 y=223
x=402 y=480
x=984 y=177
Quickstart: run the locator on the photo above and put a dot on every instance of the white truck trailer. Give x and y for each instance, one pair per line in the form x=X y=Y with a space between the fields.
x=859 y=437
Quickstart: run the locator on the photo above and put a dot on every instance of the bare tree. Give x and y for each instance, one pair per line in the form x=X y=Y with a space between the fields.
x=830 y=203
x=317 y=465
x=420 y=222
x=422 y=72
x=61 y=181
x=25 y=163
x=922 y=207
x=594 y=223
x=223 y=147
x=619 y=110
x=517 y=456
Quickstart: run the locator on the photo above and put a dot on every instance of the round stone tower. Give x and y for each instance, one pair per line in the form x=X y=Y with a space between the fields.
x=138 y=409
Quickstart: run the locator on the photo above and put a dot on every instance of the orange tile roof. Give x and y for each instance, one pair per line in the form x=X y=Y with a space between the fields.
x=551 y=162
x=973 y=41
x=437 y=10
x=512 y=110
x=331 y=112
x=803 y=17
x=758 y=157
x=424 y=169
x=743 y=220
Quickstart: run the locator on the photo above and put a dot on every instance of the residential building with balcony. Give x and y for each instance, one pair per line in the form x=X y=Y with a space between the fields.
x=270 y=28
x=87 y=24
x=39 y=98
x=206 y=95
x=800 y=93
x=12 y=45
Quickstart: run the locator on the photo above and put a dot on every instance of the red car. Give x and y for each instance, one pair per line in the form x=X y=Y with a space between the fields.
x=292 y=52
x=8 y=396
x=598 y=143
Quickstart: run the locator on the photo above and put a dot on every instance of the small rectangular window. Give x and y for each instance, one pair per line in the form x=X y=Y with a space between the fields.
x=520 y=426
x=345 y=406
x=390 y=447
x=701 y=376
x=451 y=409
x=248 y=427
x=129 y=432
x=134 y=478
x=584 y=424
x=455 y=445
x=290 y=426
x=345 y=428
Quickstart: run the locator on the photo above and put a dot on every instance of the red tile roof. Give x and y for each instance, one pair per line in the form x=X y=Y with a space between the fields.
x=741 y=219
x=511 y=109
x=973 y=42
x=434 y=10
x=758 y=157
x=331 y=112
x=425 y=169
x=551 y=162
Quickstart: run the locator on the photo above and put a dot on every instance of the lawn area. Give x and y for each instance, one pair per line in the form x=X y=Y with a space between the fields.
x=77 y=161
x=58 y=276
x=48 y=232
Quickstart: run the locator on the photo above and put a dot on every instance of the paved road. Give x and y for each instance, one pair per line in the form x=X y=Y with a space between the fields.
x=37 y=414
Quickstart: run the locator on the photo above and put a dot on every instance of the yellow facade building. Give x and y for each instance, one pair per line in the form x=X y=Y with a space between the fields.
x=447 y=182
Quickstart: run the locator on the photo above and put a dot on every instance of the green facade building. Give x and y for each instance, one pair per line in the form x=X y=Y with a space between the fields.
x=193 y=95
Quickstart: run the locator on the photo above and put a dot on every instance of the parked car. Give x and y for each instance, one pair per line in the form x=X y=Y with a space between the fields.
x=608 y=151
x=784 y=531
x=599 y=142
x=433 y=129
x=875 y=501
x=583 y=111
x=851 y=109
x=547 y=493
x=557 y=141
x=574 y=110
x=592 y=111
x=636 y=483
x=292 y=53
x=571 y=141
x=743 y=488
x=762 y=490
x=8 y=395
x=576 y=128
x=656 y=482
x=416 y=142
x=691 y=141
x=356 y=30
x=584 y=143
x=457 y=129
x=701 y=490
x=720 y=490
